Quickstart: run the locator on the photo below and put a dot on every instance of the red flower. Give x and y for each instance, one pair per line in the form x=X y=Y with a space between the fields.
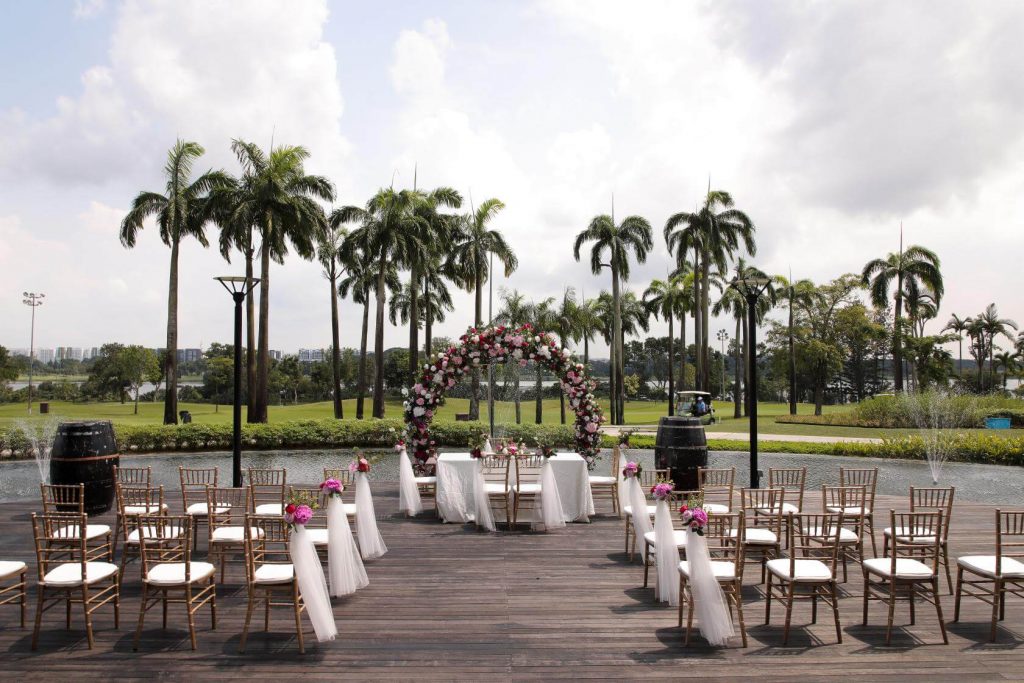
x=290 y=508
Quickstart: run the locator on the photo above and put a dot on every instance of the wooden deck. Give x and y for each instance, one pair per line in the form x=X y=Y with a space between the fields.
x=447 y=602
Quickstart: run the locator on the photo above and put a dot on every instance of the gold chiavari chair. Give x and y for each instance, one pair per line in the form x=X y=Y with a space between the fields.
x=15 y=592
x=679 y=532
x=348 y=480
x=70 y=498
x=497 y=469
x=793 y=481
x=316 y=528
x=717 y=486
x=66 y=572
x=648 y=478
x=228 y=510
x=1004 y=570
x=913 y=567
x=724 y=535
x=922 y=500
x=134 y=502
x=266 y=491
x=600 y=483
x=128 y=476
x=851 y=501
x=809 y=573
x=762 y=510
x=193 y=496
x=165 y=546
x=270 y=576
x=868 y=478
x=527 y=483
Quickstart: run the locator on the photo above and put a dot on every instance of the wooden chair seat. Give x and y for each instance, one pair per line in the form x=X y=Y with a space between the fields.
x=758 y=536
x=906 y=567
x=425 y=480
x=270 y=509
x=803 y=571
x=723 y=571
x=92 y=531
x=680 y=536
x=70 y=574
x=133 y=537
x=9 y=568
x=601 y=479
x=230 y=534
x=274 y=573
x=173 y=573
x=985 y=565
x=628 y=509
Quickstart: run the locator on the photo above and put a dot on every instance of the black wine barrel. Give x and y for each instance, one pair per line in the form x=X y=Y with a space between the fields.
x=86 y=453
x=682 y=448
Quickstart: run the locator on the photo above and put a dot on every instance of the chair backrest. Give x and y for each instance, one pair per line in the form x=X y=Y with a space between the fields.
x=266 y=486
x=528 y=468
x=165 y=539
x=150 y=499
x=194 y=482
x=342 y=474
x=814 y=536
x=266 y=542
x=61 y=498
x=717 y=485
x=1009 y=536
x=763 y=508
x=616 y=460
x=725 y=534
x=70 y=527
x=922 y=499
x=133 y=475
x=916 y=535
x=227 y=506
x=495 y=468
x=852 y=500
x=866 y=477
x=793 y=480
x=650 y=477
x=319 y=519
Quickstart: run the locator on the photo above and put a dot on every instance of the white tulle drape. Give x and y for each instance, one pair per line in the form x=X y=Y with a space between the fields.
x=312 y=584
x=370 y=542
x=622 y=488
x=409 y=500
x=547 y=511
x=638 y=502
x=666 y=587
x=344 y=565
x=709 y=604
x=481 y=501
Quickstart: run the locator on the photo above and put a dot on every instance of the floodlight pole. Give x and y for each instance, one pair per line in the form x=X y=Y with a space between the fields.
x=722 y=336
x=34 y=301
x=238 y=293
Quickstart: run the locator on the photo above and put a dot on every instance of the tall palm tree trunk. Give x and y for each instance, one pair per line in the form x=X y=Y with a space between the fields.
x=361 y=382
x=335 y=351
x=171 y=369
x=671 y=380
x=378 y=342
x=698 y=314
x=618 y=400
x=414 y=324
x=705 y=322
x=737 y=409
x=960 y=367
x=897 y=338
x=428 y=322
x=519 y=415
x=474 y=399
x=263 y=350
x=682 y=351
x=539 y=417
x=792 y=358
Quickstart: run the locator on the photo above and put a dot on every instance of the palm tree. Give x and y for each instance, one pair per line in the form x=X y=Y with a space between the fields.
x=685 y=279
x=1008 y=362
x=633 y=234
x=514 y=312
x=714 y=232
x=916 y=265
x=566 y=320
x=799 y=293
x=664 y=299
x=329 y=245
x=635 y=319
x=438 y=299
x=473 y=246
x=958 y=326
x=181 y=211
x=389 y=232
x=281 y=199
x=993 y=326
x=542 y=317
x=588 y=323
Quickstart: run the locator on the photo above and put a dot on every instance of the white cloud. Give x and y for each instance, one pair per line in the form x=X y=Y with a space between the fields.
x=102 y=220
x=419 y=59
x=88 y=8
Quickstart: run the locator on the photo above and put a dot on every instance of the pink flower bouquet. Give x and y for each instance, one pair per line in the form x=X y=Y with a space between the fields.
x=662 y=489
x=632 y=469
x=332 y=487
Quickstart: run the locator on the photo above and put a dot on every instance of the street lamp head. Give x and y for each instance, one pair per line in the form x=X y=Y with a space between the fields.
x=237 y=284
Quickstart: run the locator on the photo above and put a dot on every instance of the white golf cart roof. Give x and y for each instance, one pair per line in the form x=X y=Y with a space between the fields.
x=692 y=393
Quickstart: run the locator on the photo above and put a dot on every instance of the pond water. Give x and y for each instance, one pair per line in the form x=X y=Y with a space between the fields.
x=992 y=484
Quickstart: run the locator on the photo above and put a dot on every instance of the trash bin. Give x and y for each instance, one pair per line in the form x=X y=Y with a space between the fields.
x=44 y=408
x=186 y=417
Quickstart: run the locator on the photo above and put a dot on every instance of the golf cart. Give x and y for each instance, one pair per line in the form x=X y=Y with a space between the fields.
x=689 y=403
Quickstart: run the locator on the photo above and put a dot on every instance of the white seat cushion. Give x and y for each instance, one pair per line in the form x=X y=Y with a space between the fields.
x=850 y=510
x=723 y=571
x=232 y=534
x=650 y=510
x=70 y=574
x=758 y=536
x=350 y=509
x=493 y=487
x=986 y=566
x=201 y=509
x=904 y=537
x=845 y=535
x=274 y=573
x=144 y=509
x=270 y=510
x=10 y=568
x=786 y=508
x=91 y=531
x=599 y=479
x=425 y=480
x=173 y=573
x=679 y=534
x=906 y=568
x=715 y=508
x=806 y=570
x=169 y=532
x=528 y=488
x=318 y=536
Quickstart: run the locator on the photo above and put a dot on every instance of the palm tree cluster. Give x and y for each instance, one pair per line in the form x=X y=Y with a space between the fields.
x=982 y=332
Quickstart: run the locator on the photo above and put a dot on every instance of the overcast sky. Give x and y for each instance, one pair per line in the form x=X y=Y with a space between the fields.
x=829 y=122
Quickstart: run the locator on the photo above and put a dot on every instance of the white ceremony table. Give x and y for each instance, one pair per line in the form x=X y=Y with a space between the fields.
x=456 y=481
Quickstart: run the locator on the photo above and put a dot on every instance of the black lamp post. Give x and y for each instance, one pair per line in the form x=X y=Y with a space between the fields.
x=239 y=287
x=751 y=288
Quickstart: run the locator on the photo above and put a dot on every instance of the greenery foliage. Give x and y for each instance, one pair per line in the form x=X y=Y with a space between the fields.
x=897 y=412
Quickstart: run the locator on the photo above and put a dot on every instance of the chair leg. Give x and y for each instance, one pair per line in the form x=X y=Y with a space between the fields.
x=24 y=597
x=163 y=603
x=191 y=616
x=647 y=551
x=789 y=612
x=910 y=598
x=88 y=616
x=298 y=617
x=39 y=618
x=626 y=549
x=870 y=524
x=682 y=595
x=737 y=596
x=213 y=605
x=996 y=591
x=689 y=617
x=835 y=611
x=768 y=601
x=959 y=589
x=892 y=611
x=142 y=616
x=945 y=563
x=248 y=618
x=938 y=610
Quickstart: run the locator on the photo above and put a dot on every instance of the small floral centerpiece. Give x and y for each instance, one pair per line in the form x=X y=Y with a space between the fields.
x=693 y=514
x=662 y=490
x=360 y=464
x=400 y=446
x=624 y=436
x=545 y=449
x=331 y=487
x=299 y=510
x=477 y=445
x=632 y=469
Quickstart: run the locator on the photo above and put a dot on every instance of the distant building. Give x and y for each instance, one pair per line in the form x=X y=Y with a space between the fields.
x=311 y=355
x=189 y=355
x=90 y=353
x=275 y=355
x=45 y=355
x=20 y=352
x=68 y=353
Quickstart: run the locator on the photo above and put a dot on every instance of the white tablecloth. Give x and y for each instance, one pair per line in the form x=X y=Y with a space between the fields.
x=455 y=481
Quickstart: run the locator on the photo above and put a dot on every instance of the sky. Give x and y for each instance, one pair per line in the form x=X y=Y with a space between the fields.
x=831 y=123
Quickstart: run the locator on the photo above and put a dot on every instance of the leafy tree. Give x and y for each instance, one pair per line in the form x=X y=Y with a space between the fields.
x=795 y=293
x=1009 y=362
x=632 y=385
x=396 y=366
x=219 y=380
x=8 y=369
x=291 y=376
x=667 y=299
x=181 y=211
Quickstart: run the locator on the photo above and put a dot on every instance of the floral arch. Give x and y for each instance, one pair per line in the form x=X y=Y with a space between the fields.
x=502 y=344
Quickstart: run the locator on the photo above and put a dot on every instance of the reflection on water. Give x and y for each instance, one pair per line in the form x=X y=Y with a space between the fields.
x=992 y=484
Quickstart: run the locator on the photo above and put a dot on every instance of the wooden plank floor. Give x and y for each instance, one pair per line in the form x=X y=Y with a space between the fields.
x=447 y=602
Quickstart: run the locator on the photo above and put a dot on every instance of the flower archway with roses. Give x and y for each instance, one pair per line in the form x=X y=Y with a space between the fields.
x=499 y=344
